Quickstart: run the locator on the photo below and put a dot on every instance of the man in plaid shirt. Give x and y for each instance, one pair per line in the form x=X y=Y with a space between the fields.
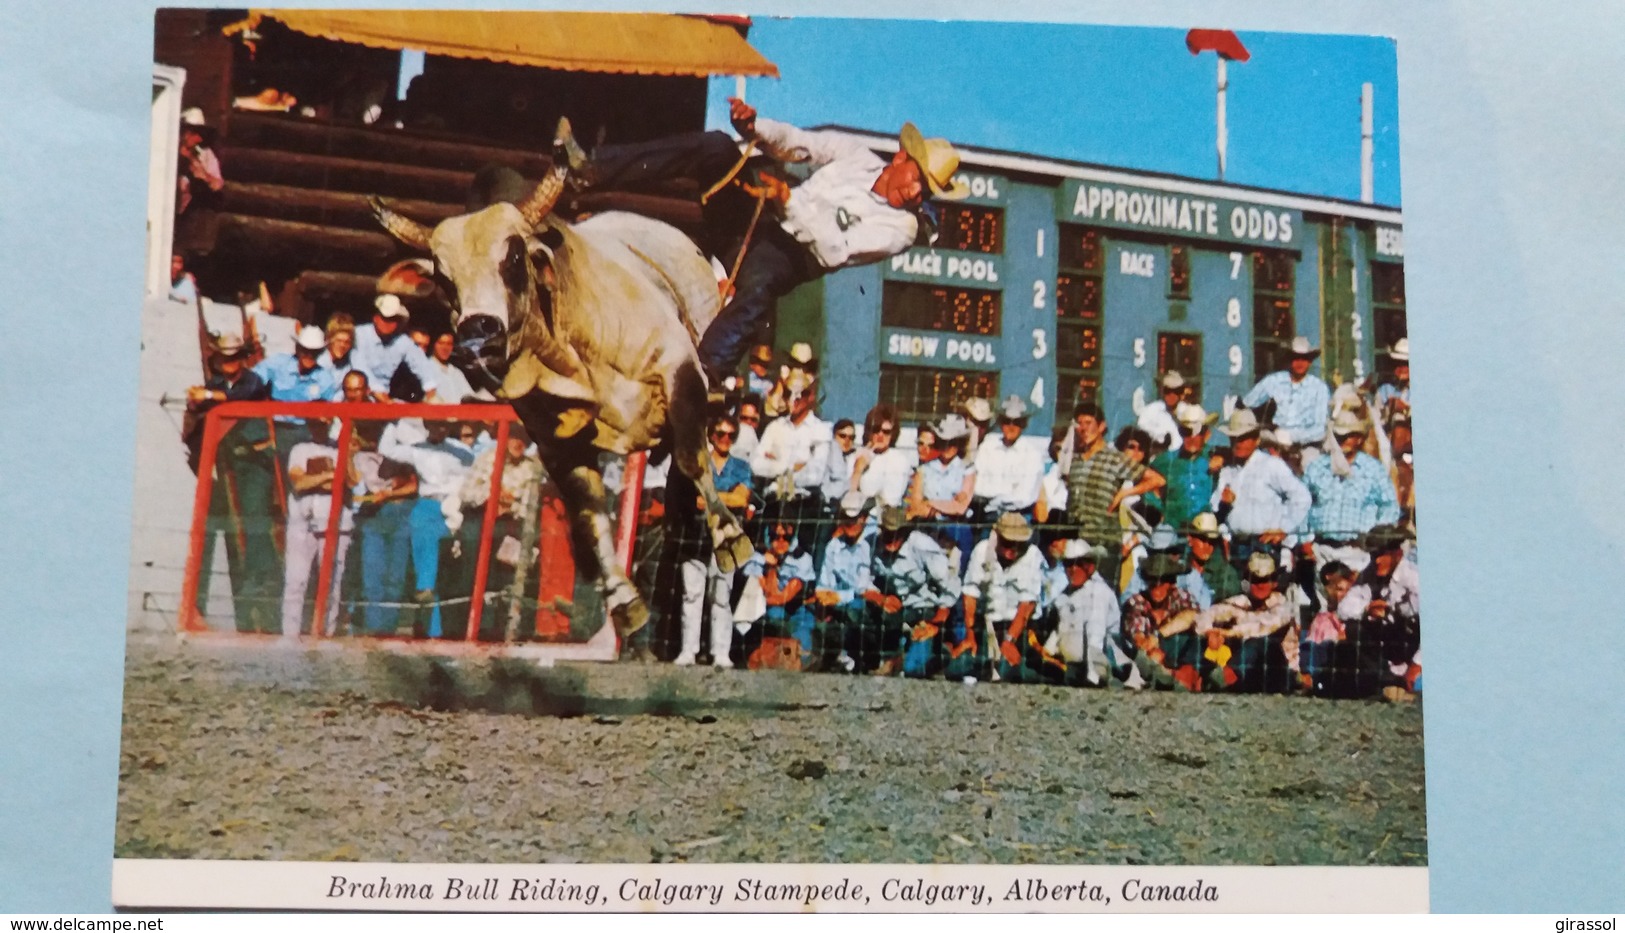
x=1350 y=495
x=1099 y=478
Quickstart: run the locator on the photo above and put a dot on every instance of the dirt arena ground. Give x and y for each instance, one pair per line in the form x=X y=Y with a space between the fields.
x=235 y=751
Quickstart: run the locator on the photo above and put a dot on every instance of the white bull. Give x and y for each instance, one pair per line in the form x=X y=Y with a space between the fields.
x=588 y=331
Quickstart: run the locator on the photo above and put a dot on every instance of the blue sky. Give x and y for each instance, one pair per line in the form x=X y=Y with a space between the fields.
x=1128 y=97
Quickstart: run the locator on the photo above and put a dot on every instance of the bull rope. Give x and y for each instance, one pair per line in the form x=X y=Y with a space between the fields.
x=744 y=245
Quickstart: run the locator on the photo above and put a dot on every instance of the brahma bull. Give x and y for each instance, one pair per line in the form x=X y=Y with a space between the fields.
x=588 y=331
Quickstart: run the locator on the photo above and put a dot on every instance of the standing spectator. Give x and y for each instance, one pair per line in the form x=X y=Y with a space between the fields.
x=297 y=377
x=1088 y=628
x=845 y=574
x=1189 y=468
x=381 y=351
x=1136 y=447
x=912 y=584
x=793 y=456
x=881 y=470
x=700 y=576
x=1006 y=580
x=1210 y=579
x=759 y=376
x=513 y=535
x=801 y=360
x=200 y=181
x=942 y=487
x=1260 y=499
x=842 y=454
x=978 y=412
x=1098 y=480
x=1157 y=623
x=441 y=466
x=1302 y=403
x=1157 y=419
x=421 y=337
x=1350 y=494
x=182 y=286
x=387 y=493
x=340 y=341
x=1394 y=398
x=1251 y=639
x=451 y=386
x=1009 y=472
x=241 y=503
x=312 y=467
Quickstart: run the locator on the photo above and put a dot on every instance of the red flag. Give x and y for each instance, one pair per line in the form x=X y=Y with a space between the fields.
x=1222 y=41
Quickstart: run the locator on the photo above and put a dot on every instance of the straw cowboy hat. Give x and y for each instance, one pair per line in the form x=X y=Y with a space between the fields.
x=1012 y=527
x=1260 y=567
x=938 y=160
x=1193 y=417
x=229 y=345
x=1242 y=423
x=952 y=428
x=979 y=409
x=1401 y=352
x=311 y=338
x=1173 y=381
x=802 y=353
x=1013 y=409
x=1347 y=422
x=1078 y=549
x=1204 y=525
x=1301 y=347
x=893 y=518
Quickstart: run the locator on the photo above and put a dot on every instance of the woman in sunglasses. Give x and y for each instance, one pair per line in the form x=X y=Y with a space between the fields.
x=881 y=471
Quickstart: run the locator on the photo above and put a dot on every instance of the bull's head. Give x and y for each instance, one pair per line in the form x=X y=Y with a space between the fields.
x=495 y=266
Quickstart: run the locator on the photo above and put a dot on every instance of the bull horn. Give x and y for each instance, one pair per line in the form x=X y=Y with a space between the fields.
x=400 y=227
x=540 y=203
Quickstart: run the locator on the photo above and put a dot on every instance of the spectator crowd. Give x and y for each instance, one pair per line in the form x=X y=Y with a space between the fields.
x=1270 y=550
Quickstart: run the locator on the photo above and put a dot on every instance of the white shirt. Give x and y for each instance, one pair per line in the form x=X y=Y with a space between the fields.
x=1091 y=608
x=785 y=444
x=1006 y=587
x=887 y=477
x=317 y=505
x=1008 y=476
x=835 y=213
x=451 y=385
x=1268 y=496
x=440 y=470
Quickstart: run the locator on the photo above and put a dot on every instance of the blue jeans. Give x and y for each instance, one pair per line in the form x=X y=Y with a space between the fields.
x=428 y=530
x=386 y=547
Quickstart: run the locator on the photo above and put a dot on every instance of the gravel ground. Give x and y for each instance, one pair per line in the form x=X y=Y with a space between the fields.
x=235 y=751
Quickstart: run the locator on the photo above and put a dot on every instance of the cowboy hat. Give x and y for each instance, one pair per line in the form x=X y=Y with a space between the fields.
x=893 y=518
x=952 y=428
x=229 y=345
x=852 y=504
x=1164 y=538
x=1401 y=352
x=1242 y=423
x=1193 y=417
x=979 y=409
x=1301 y=347
x=1347 y=422
x=1172 y=381
x=311 y=338
x=1013 y=409
x=938 y=160
x=1012 y=527
x=802 y=353
x=391 y=306
x=1078 y=549
x=1204 y=525
x=192 y=119
x=1384 y=538
x=762 y=353
x=1161 y=566
x=1260 y=567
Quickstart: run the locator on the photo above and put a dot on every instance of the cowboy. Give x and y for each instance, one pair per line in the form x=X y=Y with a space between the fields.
x=759 y=379
x=1009 y=471
x=800 y=360
x=1351 y=493
x=979 y=412
x=200 y=180
x=1099 y=478
x=1156 y=626
x=1250 y=640
x=911 y=596
x=1088 y=623
x=793 y=454
x=1394 y=398
x=1210 y=578
x=1189 y=468
x=1302 y=401
x=1158 y=419
x=855 y=208
x=241 y=503
x=298 y=377
x=1006 y=580
x=1258 y=497
x=845 y=575
x=382 y=350
x=1386 y=598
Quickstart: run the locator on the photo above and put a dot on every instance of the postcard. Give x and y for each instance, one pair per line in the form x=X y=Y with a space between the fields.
x=623 y=462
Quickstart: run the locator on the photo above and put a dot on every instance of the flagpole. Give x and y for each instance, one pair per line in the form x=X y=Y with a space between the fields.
x=1367 y=124
x=1224 y=135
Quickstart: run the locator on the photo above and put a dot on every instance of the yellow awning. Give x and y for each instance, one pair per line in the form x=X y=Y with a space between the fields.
x=619 y=43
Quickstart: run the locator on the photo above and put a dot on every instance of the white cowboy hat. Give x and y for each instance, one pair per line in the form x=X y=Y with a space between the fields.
x=1193 y=417
x=1079 y=549
x=311 y=338
x=938 y=160
x=1241 y=423
x=952 y=428
x=1401 y=352
x=979 y=409
x=1204 y=525
x=1301 y=347
x=1172 y=381
x=391 y=306
x=1013 y=409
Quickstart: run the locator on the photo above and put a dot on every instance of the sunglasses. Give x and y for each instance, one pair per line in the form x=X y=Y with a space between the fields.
x=885 y=429
x=750 y=419
x=721 y=434
x=847 y=436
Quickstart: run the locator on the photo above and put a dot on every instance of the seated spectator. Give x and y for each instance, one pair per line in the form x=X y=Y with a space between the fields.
x=749 y=414
x=1156 y=627
x=1088 y=626
x=1051 y=506
x=340 y=341
x=911 y=584
x=1251 y=640
x=978 y=414
x=759 y=375
x=1008 y=471
x=312 y=466
x=784 y=569
x=1336 y=663
x=1005 y=581
x=845 y=574
x=384 y=499
x=1210 y=579
x=1386 y=599
x=353 y=388
x=881 y=471
x=941 y=491
x=182 y=286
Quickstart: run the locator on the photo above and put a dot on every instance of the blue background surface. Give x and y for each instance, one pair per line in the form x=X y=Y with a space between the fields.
x=1515 y=225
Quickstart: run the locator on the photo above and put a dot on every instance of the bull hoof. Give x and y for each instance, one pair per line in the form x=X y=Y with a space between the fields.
x=571 y=422
x=629 y=617
x=734 y=551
